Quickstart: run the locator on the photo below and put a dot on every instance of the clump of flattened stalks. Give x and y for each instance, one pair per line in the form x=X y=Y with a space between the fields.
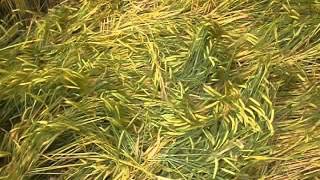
x=162 y=90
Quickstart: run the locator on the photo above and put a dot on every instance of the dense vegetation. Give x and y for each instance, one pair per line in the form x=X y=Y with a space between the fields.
x=162 y=89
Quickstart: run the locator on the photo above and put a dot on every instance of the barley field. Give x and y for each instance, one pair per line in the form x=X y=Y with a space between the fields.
x=160 y=89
